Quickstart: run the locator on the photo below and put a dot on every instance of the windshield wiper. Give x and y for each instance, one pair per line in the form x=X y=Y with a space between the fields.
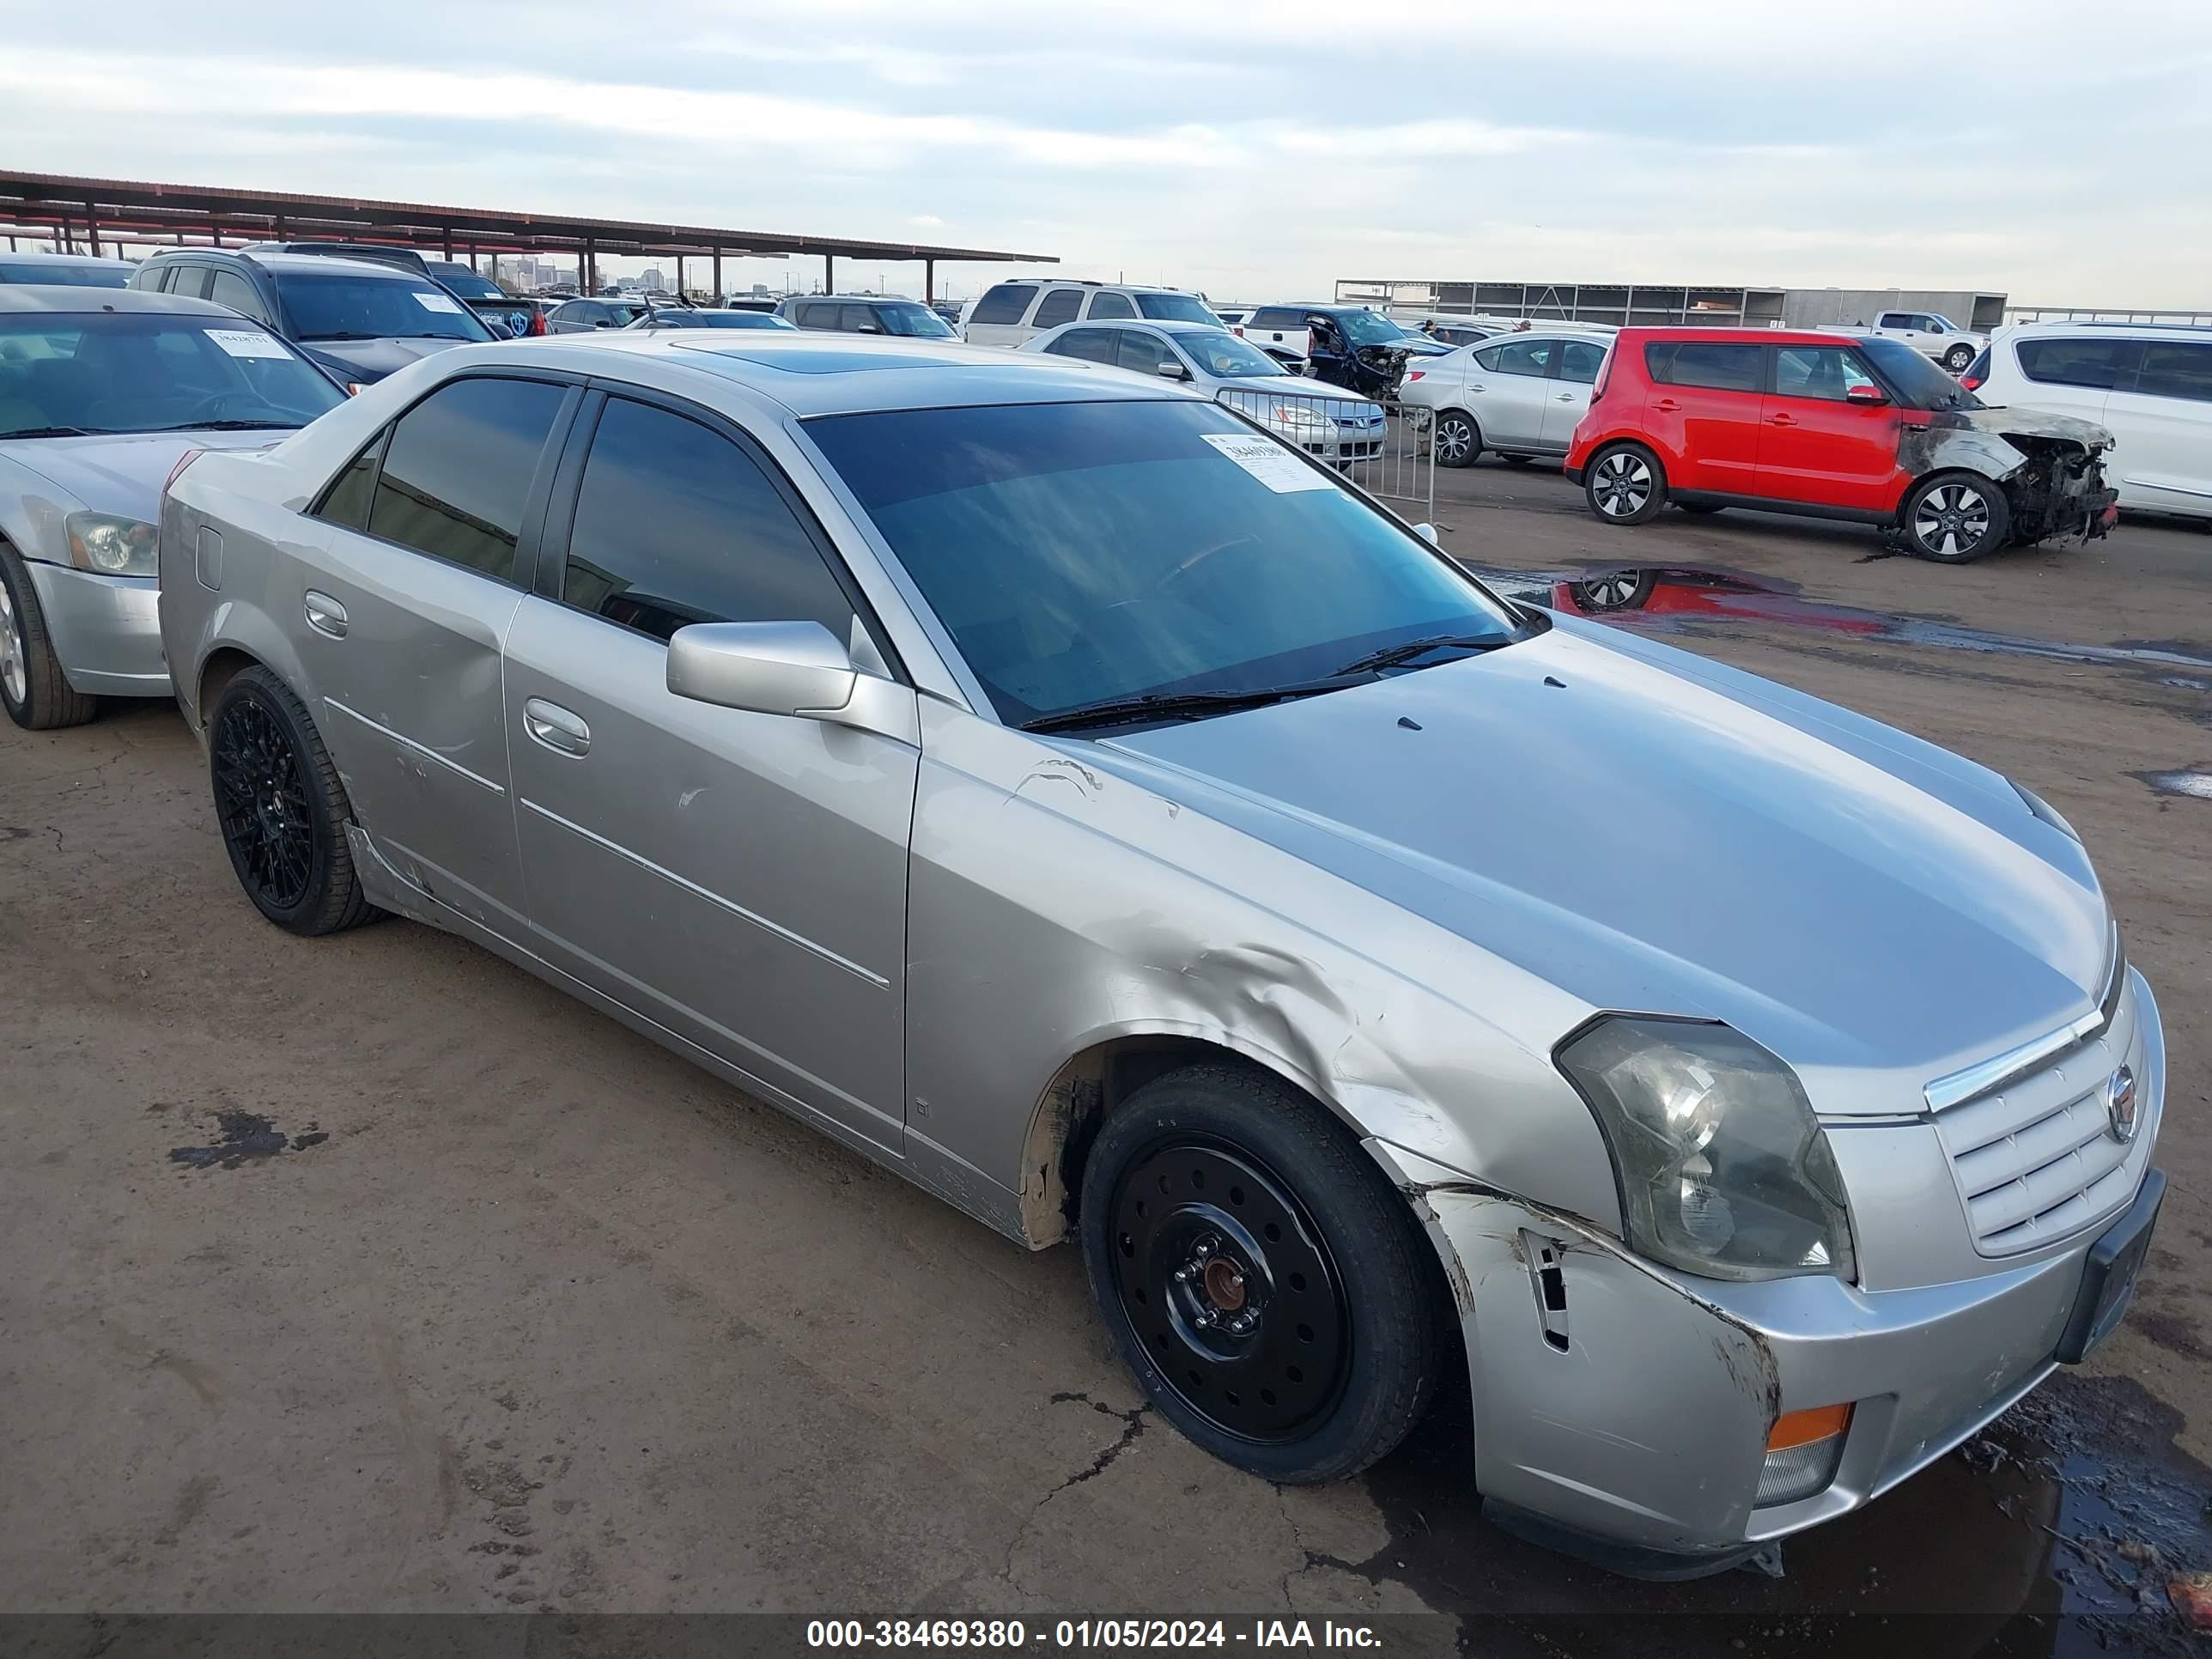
x=311 y=338
x=58 y=432
x=224 y=426
x=1174 y=705
x=1391 y=656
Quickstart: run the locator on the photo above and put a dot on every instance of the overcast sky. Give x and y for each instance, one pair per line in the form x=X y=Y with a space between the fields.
x=2054 y=151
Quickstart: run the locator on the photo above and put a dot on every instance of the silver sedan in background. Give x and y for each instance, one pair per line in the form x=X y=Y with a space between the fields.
x=102 y=393
x=1324 y=421
x=1095 y=811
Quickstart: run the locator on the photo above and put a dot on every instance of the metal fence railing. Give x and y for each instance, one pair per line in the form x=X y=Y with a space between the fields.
x=1383 y=447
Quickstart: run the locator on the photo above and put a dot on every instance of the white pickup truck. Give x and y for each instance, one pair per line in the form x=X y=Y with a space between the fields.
x=1928 y=332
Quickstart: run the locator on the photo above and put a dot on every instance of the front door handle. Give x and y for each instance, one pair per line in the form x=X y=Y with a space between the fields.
x=1566 y=396
x=556 y=727
x=324 y=614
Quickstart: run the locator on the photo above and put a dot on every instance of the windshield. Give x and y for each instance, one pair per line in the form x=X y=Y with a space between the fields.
x=1084 y=552
x=1174 y=308
x=715 y=319
x=340 y=306
x=140 y=372
x=916 y=320
x=1226 y=357
x=466 y=283
x=1365 y=328
x=1916 y=380
x=68 y=275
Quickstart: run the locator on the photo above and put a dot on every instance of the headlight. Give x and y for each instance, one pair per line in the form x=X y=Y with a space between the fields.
x=1302 y=420
x=2043 y=810
x=1723 y=1169
x=110 y=545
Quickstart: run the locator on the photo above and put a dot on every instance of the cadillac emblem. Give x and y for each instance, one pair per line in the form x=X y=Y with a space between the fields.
x=2120 y=1105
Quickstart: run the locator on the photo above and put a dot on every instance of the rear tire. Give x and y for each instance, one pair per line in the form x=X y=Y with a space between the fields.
x=36 y=694
x=1625 y=485
x=282 y=810
x=1457 y=440
x=1953 y=518
x=1300 y=1342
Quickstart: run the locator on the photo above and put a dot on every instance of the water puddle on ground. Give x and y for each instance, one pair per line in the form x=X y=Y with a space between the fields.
x=2196 y=785
x=2054 y=1533
x=1664 y=595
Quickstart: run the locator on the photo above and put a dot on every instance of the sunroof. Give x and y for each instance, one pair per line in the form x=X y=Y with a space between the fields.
x=818 y=362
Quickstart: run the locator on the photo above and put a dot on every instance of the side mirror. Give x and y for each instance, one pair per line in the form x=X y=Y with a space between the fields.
x=603 y=322
x=791 y=668
x=1427 y=532
x=1870 y=395
x=869 y=328
x=1172 y=370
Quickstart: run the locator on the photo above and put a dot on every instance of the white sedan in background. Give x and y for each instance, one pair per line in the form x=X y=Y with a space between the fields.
x=1327 y=422
x=1520 y=396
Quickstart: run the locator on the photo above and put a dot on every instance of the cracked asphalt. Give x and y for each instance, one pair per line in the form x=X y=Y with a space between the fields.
x=504 y=1307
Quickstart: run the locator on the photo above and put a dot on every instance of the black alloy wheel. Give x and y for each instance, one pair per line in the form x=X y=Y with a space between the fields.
x=1219 y=1270
x=261 y=801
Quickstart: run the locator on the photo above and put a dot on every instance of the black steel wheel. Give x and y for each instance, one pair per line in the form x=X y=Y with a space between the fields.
x=1218 y=1268
x=1264 y=1282
x=281 y=808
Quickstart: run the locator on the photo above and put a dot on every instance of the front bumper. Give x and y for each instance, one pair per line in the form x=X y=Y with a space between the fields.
x=106 y=630
x=1630 y=1423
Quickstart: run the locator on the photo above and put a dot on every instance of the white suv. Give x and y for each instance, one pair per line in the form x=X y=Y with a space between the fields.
x=1011 y=313
x=2150 y=384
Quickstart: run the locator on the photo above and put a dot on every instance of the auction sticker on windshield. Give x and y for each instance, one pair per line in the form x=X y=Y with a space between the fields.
x=246 y=343
x=1269 y=462
x=437 y=303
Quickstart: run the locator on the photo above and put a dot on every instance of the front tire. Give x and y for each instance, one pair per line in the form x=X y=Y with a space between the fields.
x=1958 y=357
x=1955 y=517
x=282 y=810
x=1259 y=1275
x=36 y=694
x=1458 y=440
x=1625 y=485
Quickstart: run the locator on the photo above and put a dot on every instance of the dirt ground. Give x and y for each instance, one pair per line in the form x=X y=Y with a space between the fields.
x=483 y=1303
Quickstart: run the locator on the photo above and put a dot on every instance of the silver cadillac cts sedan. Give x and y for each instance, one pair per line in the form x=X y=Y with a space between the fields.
x=1075 y=799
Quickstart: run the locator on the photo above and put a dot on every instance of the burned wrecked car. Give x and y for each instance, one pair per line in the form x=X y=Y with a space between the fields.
x=1089 y=807
x=1865 y=430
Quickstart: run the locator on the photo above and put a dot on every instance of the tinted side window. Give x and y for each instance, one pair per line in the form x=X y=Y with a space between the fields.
x=1139 y=351
x=676 y=525
x=190 y=281
x=1107 y=304
x=1058 y=306
x=233 y=290
x=1579 y=361
x=2176 y=369
x=822 y=316
x=1003 y=304
x=1524 y=357
x=854 y=320
x=2087 y=361
x=1488 y=357
x=1093 y=345
x=1723 y=368
x=458 y=471
x=1275 y=316
x=346 y=502
x=1824 y=372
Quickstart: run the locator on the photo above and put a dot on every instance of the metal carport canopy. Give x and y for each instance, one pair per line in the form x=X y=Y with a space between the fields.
x=95 y=212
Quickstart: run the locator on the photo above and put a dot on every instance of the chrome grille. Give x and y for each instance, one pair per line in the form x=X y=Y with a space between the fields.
x=2034 y=1158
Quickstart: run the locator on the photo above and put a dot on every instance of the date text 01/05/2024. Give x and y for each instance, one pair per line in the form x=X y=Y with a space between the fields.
x=1085 y=1633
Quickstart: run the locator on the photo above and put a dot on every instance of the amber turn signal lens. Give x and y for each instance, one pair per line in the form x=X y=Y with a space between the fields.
x=1803 y=1428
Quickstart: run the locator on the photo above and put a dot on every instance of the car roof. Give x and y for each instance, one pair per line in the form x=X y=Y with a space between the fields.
x=2090 y=324
x=1735 y=336
x=815 y=374
x=39 y=296
x=293 y=262
x=33 y=257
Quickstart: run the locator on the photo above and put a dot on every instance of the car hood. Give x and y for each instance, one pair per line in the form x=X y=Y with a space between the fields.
x=122 y=472
x=2006 y=422
x=1650 y=831
x=366 y=362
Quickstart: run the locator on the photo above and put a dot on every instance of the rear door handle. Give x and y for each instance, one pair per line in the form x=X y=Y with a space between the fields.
x=324 y=614
x=556 y=727
x=1666 y=405
x=1782 y=420
x=1566 y=396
